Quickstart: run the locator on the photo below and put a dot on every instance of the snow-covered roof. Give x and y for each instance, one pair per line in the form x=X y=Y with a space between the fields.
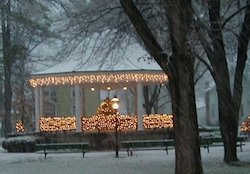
x=130 y=62
x=125 y=64
x=95 y=54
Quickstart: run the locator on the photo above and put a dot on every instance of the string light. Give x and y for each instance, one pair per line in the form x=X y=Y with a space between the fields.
x=245 y=126
x=97 y=78
x=153 y=121
x=51 y=124
x=101 y=122
x=106 y=122
x=19 y=127
x=106 y=108
x=92 y=89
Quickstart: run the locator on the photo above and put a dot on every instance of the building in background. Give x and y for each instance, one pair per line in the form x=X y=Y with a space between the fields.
x=211 y=101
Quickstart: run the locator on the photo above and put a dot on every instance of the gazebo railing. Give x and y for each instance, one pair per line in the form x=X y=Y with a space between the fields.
x=107 y=122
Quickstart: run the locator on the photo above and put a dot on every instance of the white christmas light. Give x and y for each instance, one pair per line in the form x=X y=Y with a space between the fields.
x=97 y=78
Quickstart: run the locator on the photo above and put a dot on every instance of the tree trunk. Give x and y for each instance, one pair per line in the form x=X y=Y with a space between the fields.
x=188 y=158
x=7 y=99
x=229 y=102
x=151 y=99
x=231 y=129
x=147 y=104
x=187 y=145
x=5 y=12
x=179 y=69
x=228 y=120
x=22 y=102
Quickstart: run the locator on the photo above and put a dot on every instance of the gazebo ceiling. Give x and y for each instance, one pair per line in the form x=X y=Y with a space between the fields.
x=132 y=66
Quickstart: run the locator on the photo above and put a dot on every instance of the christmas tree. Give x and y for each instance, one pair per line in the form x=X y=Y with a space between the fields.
x=106 y=108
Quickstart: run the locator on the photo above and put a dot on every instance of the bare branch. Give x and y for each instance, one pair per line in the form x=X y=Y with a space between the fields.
x=233 y=15
x=143 y=30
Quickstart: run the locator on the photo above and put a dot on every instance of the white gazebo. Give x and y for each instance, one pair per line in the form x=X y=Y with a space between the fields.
x=131 y=68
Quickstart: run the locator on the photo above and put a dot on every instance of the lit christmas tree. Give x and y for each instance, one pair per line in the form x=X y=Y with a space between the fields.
x=106 y=108
x=245 y=126
x=106 y=116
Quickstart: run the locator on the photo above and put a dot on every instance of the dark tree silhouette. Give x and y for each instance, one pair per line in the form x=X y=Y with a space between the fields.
x=180 y=69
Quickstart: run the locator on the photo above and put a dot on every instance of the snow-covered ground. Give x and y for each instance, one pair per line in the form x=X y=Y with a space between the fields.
x=146 y=162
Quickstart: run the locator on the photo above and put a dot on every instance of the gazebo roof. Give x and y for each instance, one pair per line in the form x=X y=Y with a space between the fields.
x=129 y=65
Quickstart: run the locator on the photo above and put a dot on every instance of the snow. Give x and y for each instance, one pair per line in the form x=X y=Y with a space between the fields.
x=22 y=138
x=200 y=103
x=211 y=86
x=146 y=162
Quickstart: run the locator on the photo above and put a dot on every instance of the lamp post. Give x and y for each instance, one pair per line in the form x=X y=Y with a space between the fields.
x=115 y=106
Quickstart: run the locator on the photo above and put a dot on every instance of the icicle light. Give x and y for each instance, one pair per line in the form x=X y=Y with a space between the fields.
x=103 y=78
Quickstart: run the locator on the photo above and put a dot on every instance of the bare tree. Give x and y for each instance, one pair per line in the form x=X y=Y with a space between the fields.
x=151 y=98
x=180 y=69
x=152 y=20
x=212 y=38
x=7 y=61
x=155 y=94
x=21 y=31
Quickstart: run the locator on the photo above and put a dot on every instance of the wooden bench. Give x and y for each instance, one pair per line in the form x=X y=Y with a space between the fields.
x=53 y=147
x=206 y=142
x=146 y=144
x=213 y=141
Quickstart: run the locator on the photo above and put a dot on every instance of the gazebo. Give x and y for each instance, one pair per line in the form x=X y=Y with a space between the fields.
x=131 y=68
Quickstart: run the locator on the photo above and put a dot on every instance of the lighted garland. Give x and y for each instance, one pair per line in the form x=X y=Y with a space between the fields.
x=126 y=122
x=99 y=78
x=20 y=127
x=51 y=124
x=245 y=126
x=153 y=121
x=101 y=122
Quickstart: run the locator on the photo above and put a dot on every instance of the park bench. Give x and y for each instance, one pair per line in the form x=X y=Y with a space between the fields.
x=206 y=142
x=55 y=147
x=146 y=145
x=213 y=141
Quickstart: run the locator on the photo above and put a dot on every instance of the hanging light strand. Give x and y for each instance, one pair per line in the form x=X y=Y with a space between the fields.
x=106 y=78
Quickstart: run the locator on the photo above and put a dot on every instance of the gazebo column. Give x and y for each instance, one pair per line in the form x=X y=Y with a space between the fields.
x=37 y=110
x=78 y=108
x=139 y=106
x=41 y=101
